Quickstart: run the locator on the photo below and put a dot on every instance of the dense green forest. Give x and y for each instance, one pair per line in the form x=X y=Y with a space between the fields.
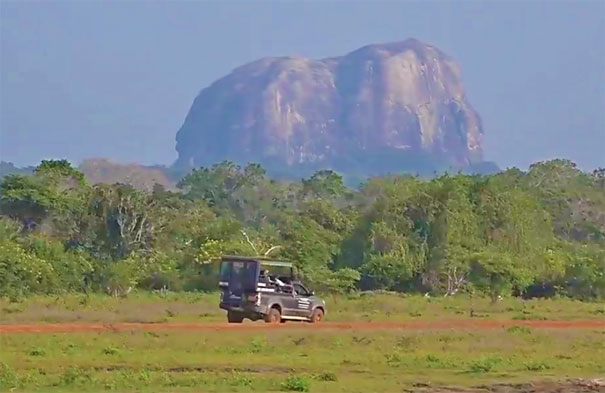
x=534 y=233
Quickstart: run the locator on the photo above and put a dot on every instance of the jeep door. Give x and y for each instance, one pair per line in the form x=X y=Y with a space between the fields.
x=303 y=301
x=289 y=304
x=238 y=279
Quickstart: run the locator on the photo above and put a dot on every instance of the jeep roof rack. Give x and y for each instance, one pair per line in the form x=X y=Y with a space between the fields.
x=263 y=260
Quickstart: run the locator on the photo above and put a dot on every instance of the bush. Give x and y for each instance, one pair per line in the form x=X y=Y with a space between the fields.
x=111 y=351
x=393 y=359
x=585 y=275
x=70 y=266
x=296 y=384
x=239 y=380
x=75 y=375
x=434 y=361
x=326 y=377
x=170 y=281
x=484 y=365
x=8 y=377
x=122 y=275
x=22 y=273
x=340 y=281
x=9 y=229
x=519 y=329
x=343 y=280
x=537 y=366
x=37 y=352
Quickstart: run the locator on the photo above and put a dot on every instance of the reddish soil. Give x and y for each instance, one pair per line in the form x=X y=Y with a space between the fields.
x=411 y=325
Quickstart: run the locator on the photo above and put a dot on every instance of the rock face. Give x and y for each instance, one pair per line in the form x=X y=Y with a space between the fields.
x=382 y=108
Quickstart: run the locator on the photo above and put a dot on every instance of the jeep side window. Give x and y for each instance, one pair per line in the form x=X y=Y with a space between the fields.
x=300 y=290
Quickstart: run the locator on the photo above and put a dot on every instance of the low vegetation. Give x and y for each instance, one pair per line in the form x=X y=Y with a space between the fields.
x=146 y=307
x=299 y=361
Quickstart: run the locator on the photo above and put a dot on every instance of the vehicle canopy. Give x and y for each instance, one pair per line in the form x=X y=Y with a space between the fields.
x=241 y=274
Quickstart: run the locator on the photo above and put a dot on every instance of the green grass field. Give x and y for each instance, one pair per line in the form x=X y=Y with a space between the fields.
x=293 y=360
x=272 y=361
x=203 y=307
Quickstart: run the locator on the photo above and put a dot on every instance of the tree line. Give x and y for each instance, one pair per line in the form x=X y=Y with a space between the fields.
x=534 y=233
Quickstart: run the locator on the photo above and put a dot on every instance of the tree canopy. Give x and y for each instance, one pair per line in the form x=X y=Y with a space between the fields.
x=511 y=233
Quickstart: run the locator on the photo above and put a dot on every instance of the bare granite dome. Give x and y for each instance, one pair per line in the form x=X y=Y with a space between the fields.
x=381 y=108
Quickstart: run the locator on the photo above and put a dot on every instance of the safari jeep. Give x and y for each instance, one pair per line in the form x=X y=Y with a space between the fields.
x=250 y=290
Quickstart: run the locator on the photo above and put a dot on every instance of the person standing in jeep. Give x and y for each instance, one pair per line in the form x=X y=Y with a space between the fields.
x=249 y=292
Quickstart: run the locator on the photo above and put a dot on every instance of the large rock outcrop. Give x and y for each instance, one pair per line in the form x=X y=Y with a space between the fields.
x=383 y=108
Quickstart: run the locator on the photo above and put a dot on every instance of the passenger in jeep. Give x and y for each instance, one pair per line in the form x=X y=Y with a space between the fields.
x=264 y=277
x=274 y=282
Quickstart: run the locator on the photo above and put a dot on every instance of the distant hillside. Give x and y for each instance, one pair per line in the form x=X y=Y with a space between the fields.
x=101 y=170
x=385 y=108
x=8 y=168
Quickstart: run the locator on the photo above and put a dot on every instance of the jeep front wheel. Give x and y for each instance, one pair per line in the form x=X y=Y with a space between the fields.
x=235 y=317
x=274 y=316
x=317 y=316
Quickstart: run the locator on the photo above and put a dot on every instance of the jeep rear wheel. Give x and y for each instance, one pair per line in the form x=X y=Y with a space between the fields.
x=317 y=316
x=274 y=316
x=235 y=317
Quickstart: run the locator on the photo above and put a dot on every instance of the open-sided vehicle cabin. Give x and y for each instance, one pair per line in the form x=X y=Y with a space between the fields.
x=259 y=288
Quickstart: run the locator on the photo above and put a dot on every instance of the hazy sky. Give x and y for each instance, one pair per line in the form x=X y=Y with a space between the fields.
x=115 y=79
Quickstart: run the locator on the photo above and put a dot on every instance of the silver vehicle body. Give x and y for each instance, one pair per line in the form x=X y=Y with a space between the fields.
x=247 y=294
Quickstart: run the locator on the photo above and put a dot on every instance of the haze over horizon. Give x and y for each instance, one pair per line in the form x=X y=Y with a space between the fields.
x=115 y=80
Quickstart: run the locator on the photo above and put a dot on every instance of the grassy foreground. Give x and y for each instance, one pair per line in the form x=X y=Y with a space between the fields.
x=292 y=360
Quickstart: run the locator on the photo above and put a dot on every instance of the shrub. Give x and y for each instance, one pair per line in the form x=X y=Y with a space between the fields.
x=484 y=365
x=37 y=352
x=393 y=359
x=237 y=379
x=8 y=377
x=22 y=273
x=519 y=329
x=537 y=366
x=434 y=361
x=9 y=229
x=122 y=275
x=69 y=266
x=74 y=375
x=111 y=351
x=326 y=377
x=257 y=345
x=295 y=383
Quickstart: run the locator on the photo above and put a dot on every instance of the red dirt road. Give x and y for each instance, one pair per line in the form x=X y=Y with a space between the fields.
x=324 y=326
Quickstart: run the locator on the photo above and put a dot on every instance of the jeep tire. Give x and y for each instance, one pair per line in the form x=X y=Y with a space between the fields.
x=317 y=316
x=235 y=317
x=273 y=316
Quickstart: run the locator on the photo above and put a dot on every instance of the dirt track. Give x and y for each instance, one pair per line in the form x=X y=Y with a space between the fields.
x=568 y=386
x=411 y=325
